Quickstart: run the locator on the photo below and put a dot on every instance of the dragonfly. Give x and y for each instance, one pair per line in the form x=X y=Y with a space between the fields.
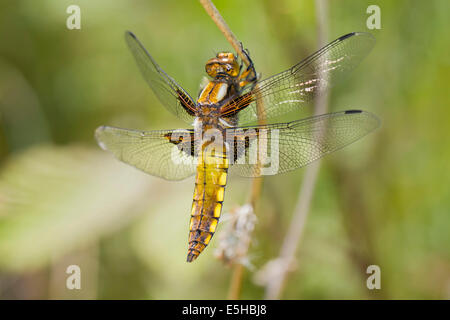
x=231 y=130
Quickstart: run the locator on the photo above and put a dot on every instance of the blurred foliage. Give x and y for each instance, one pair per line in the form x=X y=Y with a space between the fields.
x=383 y=201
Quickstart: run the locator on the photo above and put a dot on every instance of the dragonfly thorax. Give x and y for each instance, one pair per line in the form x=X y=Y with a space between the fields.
x=213 y=93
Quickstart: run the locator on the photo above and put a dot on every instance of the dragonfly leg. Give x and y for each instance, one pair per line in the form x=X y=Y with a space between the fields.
x=249 y=76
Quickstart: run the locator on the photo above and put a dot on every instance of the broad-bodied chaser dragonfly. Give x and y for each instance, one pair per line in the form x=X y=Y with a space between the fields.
x=219 y=143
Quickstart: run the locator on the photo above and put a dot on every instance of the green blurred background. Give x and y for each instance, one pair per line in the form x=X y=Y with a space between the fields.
x=384 y=200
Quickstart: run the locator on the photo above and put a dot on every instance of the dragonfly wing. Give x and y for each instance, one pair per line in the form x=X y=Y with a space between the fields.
x=288 y=146
x=292 y=89
x=158 y=153
x=169 y=93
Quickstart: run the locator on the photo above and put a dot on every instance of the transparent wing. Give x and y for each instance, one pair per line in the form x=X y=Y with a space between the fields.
x=287 y=146
x=158 y=153
x=293 y=88
x=169 y=93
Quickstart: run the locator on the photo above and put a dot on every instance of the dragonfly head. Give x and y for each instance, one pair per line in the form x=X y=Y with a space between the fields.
x=222 y=65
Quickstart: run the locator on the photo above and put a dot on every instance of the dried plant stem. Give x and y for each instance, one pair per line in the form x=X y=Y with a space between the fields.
x=236 y=282
x=224 y=28
x=238 y=269
x=276 y=283
x=255 y=191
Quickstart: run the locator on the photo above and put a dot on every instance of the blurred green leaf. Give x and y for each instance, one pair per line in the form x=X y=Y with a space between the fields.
x=54 y=199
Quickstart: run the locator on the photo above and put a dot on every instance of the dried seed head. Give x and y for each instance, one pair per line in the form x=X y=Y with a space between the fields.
x=234 y=241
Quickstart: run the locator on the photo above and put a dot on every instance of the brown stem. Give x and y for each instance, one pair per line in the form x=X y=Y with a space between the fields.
x=224 y=28
x=275 y=284
x=236 y=282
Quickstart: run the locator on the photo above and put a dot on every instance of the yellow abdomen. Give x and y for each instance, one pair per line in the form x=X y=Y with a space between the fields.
x=208 y=198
